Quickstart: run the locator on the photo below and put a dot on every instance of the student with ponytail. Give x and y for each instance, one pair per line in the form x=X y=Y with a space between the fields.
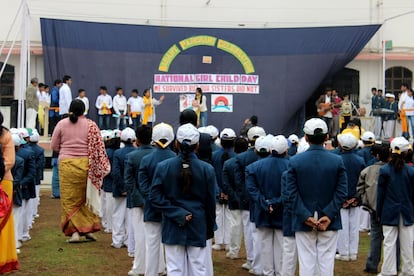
x=395 y=209
x=183 y=189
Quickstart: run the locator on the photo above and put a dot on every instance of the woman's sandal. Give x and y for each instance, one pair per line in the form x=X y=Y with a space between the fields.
x=75 y=238
x=90 y=237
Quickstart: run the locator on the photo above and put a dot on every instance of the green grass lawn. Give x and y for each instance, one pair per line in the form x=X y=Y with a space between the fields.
x=48 y=253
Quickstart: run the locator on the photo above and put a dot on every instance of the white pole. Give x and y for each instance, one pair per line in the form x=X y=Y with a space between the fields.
x=11 y=27
x=384 y=68
x=23 y=64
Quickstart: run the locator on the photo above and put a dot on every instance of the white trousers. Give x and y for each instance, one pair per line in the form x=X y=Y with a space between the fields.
x=139 y=236
x=130 y=231
x=26 y=218
x=257 y=262
x=316 y=252
x=107 y=207
x=389 y=127
x=17 y=210
x=290 y=256
x=209 y=258
x=364 y=219
x=348 y=236
x=271 y=243
x=154 y=249
x=223 y=221
x=36 y=201
x=185 y=260
x=119 y=234
x=240 y=223
x=377 y=126
x=405 y=235
x=31 y=114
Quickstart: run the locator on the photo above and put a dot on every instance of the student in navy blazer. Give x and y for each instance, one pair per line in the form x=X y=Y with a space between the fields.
x=263 y=180
x=223 y=215
x=317 y=184
x=395 y=209
x=348 y=236
x=233 y=194
x=183 y=189
x=120 y=216
x=242 y=161
x=162 y=136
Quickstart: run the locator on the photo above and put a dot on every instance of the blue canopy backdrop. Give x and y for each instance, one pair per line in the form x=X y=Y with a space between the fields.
x=285 y=65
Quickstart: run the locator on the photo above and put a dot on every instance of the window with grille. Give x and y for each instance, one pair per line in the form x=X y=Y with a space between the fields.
x=395 y=76
x=7 y=85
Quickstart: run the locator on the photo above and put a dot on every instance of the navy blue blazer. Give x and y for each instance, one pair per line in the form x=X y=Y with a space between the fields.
x=229 y=184
x=167 y=195
x=145 y=176
x=263 y=180
x=17 y=172
x=367 y=155
x=242 y=161
x=135 y=197
x=29 y=173
x=316 y=181
x=287 y=209
x=117 y=171
x=39 y=155
x=108 y=180
x=354 y=164
x=395 y=195
x=218 y=167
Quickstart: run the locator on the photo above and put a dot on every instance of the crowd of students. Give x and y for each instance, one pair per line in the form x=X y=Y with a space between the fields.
x=27 y=173
x=261 y=192
x=291 y=199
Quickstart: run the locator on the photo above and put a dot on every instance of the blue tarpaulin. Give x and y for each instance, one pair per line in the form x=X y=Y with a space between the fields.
x=290 y=64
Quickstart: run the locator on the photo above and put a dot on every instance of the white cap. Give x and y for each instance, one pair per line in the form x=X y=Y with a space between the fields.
x=202 y=130
x=315 y=126
x=188 y=133
x=368 y=136
x=255 y=132
x=107 y=134
x=116 y=133
x=399 y=145
x=17 y=141
x=212 y=131
x=293 y=138
x=34 y=138
x=360 y=144
x=261 y=145
x=279 y=144
x=227 y=134
x=303 y=145
x=23 y=132
x=127 y=134
x=347 y=141
x=14 y=131
x=389 y=95
x=163 y=131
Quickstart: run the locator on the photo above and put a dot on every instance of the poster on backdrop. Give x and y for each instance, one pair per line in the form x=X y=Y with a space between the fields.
x=221 y=103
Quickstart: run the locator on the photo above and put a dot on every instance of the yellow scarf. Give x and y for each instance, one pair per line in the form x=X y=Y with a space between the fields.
x=147 y=110
x=197 y=99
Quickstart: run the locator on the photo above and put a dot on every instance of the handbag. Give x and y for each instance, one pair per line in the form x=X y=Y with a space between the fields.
x=5 y=207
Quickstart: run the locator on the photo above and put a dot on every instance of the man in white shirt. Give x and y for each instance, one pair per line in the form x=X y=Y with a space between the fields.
x=135 y=108
x=65 y=96
x=120 y=108
x=406 y=106
x=104 y=104
x=84 y=99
